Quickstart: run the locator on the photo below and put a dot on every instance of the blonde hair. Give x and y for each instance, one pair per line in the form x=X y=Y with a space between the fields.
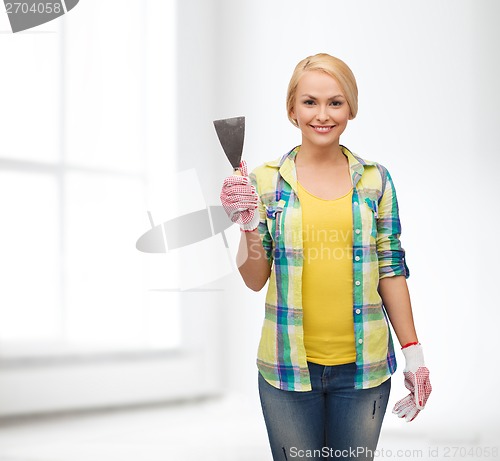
x=332 y=66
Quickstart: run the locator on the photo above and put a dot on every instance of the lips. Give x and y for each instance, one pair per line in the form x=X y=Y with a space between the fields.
x=322 y=128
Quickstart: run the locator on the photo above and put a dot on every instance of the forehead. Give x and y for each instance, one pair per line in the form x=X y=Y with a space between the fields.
x=318 y=83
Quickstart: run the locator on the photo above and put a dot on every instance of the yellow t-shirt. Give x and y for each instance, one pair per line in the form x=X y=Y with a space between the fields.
x=327 y=296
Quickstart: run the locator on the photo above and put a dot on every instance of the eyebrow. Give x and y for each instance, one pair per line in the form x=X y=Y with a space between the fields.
x=313 y=97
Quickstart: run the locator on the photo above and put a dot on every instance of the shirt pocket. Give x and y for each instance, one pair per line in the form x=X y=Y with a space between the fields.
x=274 y=212
x=369 y=215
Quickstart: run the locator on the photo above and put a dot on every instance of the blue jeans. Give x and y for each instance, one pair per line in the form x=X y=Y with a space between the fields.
x=333 y=421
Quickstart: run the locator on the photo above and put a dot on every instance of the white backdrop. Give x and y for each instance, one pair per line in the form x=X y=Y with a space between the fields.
x=427 y=73
x=428 y=110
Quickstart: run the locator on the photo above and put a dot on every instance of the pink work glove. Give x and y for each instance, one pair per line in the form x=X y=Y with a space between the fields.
x=239 y=198
x=416 y=381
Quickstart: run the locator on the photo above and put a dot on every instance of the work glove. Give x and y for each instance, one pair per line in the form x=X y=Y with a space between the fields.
x=240 y=200
x=416 y=381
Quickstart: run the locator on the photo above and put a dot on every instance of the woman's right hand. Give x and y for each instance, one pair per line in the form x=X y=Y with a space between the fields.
x=240 y=200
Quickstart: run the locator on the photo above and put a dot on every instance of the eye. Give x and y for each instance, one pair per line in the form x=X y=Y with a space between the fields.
x=308 y=102
x=336 y=103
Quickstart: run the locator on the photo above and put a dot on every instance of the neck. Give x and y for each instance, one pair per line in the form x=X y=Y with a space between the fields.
x=314 y=155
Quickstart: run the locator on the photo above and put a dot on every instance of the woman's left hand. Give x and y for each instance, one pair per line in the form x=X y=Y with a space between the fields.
x=416 y=381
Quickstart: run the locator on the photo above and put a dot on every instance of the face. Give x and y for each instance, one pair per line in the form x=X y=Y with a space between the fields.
x=321 y=109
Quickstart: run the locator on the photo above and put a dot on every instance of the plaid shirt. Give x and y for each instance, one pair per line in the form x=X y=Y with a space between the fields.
x=377 y=253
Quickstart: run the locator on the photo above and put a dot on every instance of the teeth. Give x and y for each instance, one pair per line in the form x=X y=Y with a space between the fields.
x=322 y=128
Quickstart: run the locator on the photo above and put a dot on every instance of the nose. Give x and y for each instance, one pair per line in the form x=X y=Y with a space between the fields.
x=322 y=115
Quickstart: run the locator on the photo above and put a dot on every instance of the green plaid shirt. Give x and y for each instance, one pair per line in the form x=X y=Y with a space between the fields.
x=377 y=253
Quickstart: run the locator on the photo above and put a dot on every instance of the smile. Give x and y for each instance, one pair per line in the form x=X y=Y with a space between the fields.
x=322 y=129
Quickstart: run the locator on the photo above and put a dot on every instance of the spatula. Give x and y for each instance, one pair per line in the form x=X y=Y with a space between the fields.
x=231 y=133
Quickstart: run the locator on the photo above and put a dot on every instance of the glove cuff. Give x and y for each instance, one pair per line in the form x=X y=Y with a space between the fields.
x=414 y=356
x=253 y=224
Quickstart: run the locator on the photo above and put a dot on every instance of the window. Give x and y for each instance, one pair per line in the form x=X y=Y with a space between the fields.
x=88 y=147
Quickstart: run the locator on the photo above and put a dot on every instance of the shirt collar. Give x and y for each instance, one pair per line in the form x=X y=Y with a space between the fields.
x=286 y=166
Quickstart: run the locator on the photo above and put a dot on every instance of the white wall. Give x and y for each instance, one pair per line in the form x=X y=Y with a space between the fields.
x=427 y=73
x=428 y=111
x=105 y=96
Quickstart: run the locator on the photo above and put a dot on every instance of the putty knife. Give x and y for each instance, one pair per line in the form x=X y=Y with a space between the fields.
x=231 y=133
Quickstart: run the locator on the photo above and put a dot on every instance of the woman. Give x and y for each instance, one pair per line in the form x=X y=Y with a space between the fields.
x=322 y=225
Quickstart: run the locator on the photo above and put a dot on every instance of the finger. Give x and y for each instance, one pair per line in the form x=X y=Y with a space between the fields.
x=421 y=387
x=241 y=213
x=233 y=181
x=246 y=216
x=409 y=380
x=423 y=395
x=402 y=406
x=406 y=408
x=242 y=191
x=418 y=395
x=240 y=201
x=235 y=197
x=232 y=189
x=428 y=390
x=244 y=168
x=244 y=207
x=412 y=414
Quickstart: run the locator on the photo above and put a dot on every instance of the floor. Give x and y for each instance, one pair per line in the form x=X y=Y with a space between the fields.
x=206 y=430
x=226 y=429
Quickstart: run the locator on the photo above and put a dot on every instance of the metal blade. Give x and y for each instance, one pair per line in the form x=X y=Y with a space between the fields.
x=231 y=133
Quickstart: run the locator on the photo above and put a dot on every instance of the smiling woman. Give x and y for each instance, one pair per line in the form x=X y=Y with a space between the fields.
x=326 y=353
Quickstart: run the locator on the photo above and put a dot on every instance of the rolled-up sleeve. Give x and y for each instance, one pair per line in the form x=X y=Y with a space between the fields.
x=265 y=236
x=391 y=256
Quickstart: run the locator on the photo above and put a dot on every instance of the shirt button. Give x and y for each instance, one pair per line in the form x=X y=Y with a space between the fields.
x=360 y=341
x=358 y=311
x=357 y=258
x=358 y=231
x=358 y=282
